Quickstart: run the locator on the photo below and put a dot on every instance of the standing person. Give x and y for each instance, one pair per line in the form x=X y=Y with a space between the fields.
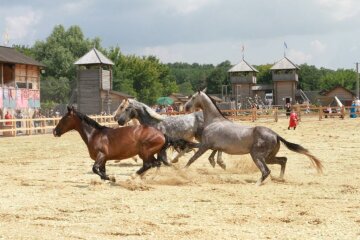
x=8 y=116
x=18 y=115
x=170 y=109
x=288 y=109
x=293 y=121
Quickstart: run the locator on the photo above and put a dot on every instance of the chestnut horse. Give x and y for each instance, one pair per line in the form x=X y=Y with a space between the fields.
x=106 y=143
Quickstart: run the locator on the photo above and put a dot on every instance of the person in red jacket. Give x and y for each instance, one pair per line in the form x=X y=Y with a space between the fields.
x=8 y=116
x=293 y=119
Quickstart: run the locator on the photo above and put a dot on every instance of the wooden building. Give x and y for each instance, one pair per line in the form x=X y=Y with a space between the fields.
x=285 y=79
x=19 y=81
x=326 y=98
x=243 y=78
x=94 y=84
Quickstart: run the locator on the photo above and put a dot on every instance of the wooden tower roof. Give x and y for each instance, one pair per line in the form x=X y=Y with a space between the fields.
x=94 y=56
x=243 y=66
x=284 y=64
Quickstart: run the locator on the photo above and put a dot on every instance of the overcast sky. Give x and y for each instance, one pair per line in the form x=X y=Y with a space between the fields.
x=324 y=33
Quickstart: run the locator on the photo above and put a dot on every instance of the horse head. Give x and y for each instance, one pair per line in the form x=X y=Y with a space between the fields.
x=123 y=105
x=126 y=115
x=194 y=101
x=66 y=123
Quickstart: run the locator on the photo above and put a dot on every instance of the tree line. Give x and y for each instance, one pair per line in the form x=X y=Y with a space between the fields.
x=145 y=77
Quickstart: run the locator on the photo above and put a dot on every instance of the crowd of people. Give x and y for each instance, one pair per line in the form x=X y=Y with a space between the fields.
x=162 y=109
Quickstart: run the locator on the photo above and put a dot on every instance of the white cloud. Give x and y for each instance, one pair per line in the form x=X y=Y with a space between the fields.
x=165 y=53
x=19 y=27
x=318 y=46
x=341 y=9
x=186 y=6
x=77 y=6
x=299 y=57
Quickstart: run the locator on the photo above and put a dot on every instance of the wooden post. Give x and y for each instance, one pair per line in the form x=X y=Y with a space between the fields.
x=276 y=114
x=14 y=127
x=320 y=112
x=343 y=112
x=43 y=124
x=253 y=114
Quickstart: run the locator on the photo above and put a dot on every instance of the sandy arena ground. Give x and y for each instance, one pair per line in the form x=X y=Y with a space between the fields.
x=48 y=191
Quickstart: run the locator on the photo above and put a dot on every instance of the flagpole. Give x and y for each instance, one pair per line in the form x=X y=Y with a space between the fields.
x=242 y=50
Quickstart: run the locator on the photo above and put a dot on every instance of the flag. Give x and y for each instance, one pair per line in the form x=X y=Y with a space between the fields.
x=285 y=45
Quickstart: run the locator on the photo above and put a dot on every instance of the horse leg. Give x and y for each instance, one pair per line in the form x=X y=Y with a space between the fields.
x=146 y=166
x=272 y=159
x=156 y=162
x=212 y=159
x=99 y=166
x=260 y=163
x=219 y=161
x=162 y=157
x=180 y=154
x=199 y=152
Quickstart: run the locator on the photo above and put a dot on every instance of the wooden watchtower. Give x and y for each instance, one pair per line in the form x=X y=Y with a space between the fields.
x=242 y=78
x=285 y=79
x=94 y=83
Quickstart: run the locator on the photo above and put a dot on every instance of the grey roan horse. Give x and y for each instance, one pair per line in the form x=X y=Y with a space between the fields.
x=184 y=127
x=223 y=135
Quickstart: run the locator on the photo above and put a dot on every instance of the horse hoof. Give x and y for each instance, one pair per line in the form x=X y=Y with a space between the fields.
x=175 y=160
x=222 y=165
x=134 y=176
x=112 y=179
x=259 y=183
x=212 y=162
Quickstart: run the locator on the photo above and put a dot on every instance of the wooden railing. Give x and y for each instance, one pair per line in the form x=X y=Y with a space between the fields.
x=29 y=126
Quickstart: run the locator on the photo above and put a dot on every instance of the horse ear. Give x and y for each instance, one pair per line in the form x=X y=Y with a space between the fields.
x=68 y=108
x=204 y=90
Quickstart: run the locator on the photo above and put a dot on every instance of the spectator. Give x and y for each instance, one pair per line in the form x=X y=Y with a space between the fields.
x=8 y=116
x=36 y=115
x=288 y=109
x=18 y=115
x=162 y=109
x=293 y=120
x=169 y=109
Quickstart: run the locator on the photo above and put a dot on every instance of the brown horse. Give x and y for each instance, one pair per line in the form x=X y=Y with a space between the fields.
x=113 y=144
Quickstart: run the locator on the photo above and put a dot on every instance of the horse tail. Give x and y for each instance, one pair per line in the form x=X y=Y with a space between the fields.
x=299 y=149
x=179 y=144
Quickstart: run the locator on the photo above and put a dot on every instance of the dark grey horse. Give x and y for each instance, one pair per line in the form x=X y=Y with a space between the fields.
x=186 y=127
x=224 y=135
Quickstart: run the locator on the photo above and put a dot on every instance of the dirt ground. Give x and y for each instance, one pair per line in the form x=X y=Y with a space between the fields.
x=48 y=191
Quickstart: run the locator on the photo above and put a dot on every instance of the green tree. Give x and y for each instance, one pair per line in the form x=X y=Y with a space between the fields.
x=186 y=89
x=309 y=77
x=218 y=77
x=55 y=89
x=59 y=52
x=264 y=75
x=341 y=77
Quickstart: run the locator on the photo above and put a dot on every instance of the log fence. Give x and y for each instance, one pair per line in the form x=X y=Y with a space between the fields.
x=30 y=126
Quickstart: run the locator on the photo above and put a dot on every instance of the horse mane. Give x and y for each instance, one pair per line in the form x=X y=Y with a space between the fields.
x=148 y=109
x=89 y=121
x=214 y=102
